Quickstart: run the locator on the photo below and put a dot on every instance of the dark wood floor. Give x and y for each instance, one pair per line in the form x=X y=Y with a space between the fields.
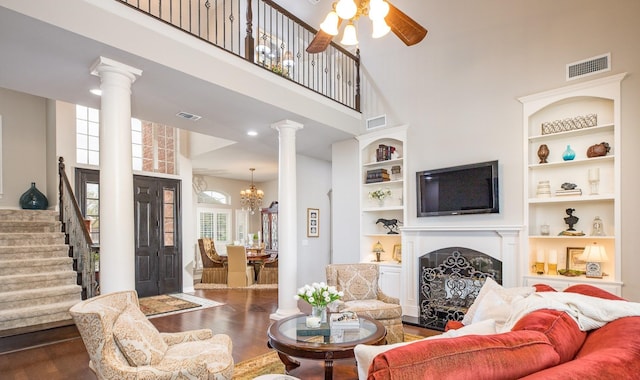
x=244 y=317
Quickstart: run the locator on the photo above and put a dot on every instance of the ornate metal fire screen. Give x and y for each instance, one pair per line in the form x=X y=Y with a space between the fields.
x=450 y=280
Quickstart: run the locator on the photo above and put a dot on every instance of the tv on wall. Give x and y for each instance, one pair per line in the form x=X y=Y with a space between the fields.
x=466 y=189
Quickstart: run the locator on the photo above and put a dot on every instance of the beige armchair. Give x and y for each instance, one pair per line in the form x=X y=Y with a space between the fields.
x=214 y=269
x=123 y=344
x=359 y=282
x=240 y=274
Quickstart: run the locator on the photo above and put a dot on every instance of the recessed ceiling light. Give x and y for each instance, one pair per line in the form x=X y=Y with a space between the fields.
x=252 y=133
x=96 y=91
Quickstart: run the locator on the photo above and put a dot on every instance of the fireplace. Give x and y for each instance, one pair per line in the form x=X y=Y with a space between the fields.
x=449 y=282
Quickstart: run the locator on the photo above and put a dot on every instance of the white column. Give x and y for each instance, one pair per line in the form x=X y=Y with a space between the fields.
x=287 y=221
x=117 y=246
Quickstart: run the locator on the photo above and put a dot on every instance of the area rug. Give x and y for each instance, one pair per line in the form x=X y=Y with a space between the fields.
x=270 y=363
x=224 y=286
x=167 y=304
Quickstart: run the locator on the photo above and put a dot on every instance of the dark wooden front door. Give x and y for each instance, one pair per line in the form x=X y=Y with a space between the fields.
x=158 y=258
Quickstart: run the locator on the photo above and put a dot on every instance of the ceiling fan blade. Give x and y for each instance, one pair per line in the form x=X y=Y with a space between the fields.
x=320 y=42
x=403 y=26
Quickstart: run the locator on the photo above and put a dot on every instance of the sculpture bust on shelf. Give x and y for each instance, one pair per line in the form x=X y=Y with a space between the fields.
x=571 y=219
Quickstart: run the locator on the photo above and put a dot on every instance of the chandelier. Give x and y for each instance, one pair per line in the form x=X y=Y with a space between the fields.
x=351 y=10
x=251 y=198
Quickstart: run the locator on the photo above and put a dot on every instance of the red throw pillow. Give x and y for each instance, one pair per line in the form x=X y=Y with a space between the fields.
x=453 y=325
x=500 y=356
x=561 y=330
x=543 y=288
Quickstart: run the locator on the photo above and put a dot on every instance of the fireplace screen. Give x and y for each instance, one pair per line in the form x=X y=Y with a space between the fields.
x=450 y=280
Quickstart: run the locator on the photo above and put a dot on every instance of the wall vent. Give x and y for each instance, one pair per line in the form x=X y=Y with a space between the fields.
x=376 y=122
x=188 y=116
x=589 y=66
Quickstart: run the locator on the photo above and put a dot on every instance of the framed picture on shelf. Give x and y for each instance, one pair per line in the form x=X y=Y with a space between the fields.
x=397 y=253
x=313 y=222
x=574 y=262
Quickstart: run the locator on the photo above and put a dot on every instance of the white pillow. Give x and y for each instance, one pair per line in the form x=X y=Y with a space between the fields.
x=490 y=285
x=364 y=354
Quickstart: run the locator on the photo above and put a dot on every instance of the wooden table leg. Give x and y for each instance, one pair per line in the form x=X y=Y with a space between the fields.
x=289 y=363
x=328 y=366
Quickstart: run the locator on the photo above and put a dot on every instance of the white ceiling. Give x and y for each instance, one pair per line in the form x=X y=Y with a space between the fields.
x=44 y=60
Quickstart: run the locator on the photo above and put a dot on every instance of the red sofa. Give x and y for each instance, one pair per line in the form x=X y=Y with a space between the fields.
x=545 y=344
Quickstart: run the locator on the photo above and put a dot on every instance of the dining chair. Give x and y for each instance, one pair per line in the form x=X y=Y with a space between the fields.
x=239 y=273
x=214 y=269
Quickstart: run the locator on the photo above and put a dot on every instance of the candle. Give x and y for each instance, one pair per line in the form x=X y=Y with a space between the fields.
x=553 y=256
x=540 y=256
x=594 y=174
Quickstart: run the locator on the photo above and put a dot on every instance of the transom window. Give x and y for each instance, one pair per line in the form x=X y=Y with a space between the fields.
x=153 y=145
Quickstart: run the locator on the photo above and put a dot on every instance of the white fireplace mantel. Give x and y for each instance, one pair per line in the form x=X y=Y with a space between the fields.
x=499 y=242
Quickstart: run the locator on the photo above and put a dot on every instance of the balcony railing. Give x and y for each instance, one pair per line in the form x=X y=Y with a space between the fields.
x=264 y=33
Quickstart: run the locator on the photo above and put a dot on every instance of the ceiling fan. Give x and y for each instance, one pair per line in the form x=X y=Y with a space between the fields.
x=383 y=14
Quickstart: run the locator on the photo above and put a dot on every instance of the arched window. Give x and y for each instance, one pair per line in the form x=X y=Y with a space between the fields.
x=213 y=197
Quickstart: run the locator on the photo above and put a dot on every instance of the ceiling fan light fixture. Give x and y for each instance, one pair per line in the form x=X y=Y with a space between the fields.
x=346 y=9
x=380 y=28
x=330 y=24
x=349 y=36
x=378 y=9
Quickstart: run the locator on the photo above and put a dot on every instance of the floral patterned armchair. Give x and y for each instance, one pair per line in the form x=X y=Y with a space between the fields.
x=359 y=282
x=123 y=344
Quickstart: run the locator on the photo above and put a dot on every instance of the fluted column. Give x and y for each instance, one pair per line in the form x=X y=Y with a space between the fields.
x=287 y=221
x=117 y=245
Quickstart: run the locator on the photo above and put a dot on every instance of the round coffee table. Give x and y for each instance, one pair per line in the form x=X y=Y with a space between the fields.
x=290 y=337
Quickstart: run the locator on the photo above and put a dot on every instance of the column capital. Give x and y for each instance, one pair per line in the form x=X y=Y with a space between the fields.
x=286 y=124
x=103 y=64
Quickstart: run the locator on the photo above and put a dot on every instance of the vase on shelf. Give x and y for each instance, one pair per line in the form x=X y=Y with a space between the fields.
x=381 y=202
x=569 y=154
x=543 y=153
x=33 y=199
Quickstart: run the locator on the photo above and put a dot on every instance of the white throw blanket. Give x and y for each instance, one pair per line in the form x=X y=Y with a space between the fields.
x=589 y=312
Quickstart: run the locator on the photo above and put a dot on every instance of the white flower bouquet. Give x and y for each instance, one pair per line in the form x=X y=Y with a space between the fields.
x=318 y=294
x=380 y=194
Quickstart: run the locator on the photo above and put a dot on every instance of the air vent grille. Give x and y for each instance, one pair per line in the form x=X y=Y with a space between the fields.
x=589 y=66
x=376 y=122
x=188 y=116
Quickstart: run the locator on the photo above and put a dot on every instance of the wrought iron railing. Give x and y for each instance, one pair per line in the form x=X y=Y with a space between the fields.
x=264 y=33
x=81 y=248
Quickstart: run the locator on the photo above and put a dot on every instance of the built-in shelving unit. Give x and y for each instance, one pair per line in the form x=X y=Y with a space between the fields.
x=600 y=97
x=394 y=206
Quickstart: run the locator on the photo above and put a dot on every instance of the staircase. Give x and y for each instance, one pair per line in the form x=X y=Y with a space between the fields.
x=37 y=282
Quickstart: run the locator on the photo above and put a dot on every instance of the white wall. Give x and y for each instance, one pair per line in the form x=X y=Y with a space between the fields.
x=23 y=146
x=346 y=202
x=313 y=183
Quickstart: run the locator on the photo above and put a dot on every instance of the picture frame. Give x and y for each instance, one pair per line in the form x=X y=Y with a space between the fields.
x=573 y=259
x=397 y=253
x=313 y=222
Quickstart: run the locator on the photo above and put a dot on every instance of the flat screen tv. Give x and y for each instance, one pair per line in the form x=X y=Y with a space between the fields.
x=466 y=189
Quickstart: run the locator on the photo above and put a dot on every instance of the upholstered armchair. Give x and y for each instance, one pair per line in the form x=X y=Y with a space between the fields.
x=123 y=344
x=268 y=273
x=214 y=269
x=359 y=282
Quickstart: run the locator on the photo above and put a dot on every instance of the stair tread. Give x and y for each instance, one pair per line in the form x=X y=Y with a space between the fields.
x=25 y=312
x=40 y=292
x=36 y=261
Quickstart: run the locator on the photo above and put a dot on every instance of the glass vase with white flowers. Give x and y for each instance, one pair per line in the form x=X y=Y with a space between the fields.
x=318 y=295
x=379 y=195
